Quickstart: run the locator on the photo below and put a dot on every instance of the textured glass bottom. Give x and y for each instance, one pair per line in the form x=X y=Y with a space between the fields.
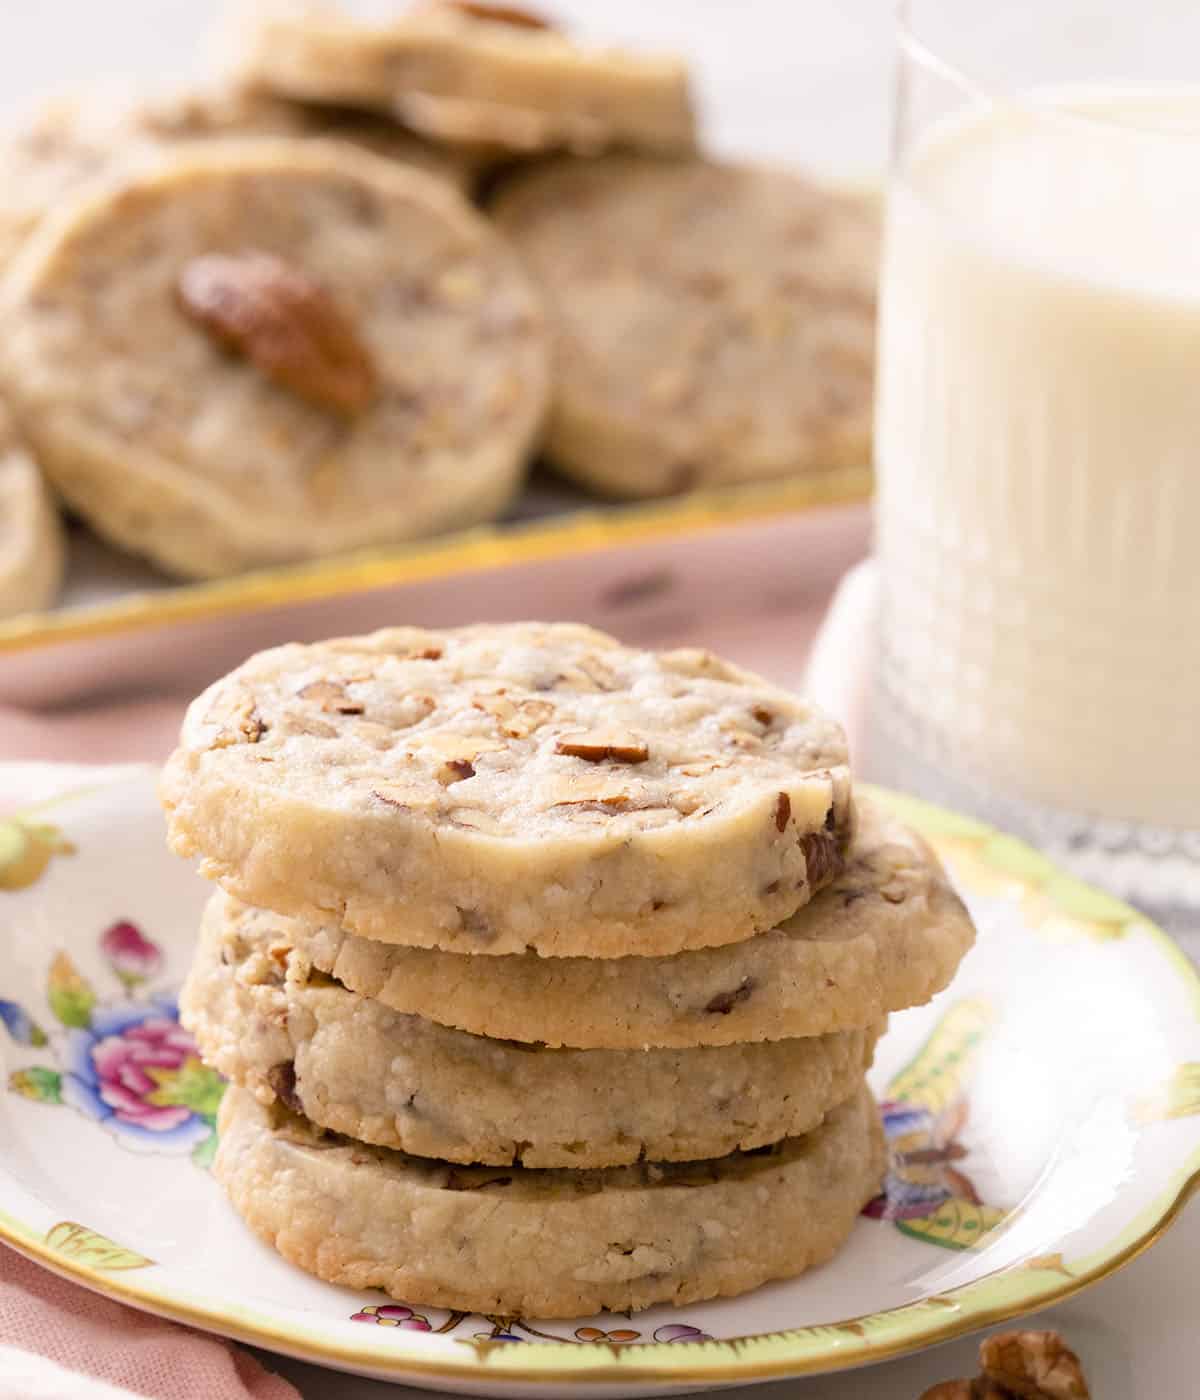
x=1156 y=869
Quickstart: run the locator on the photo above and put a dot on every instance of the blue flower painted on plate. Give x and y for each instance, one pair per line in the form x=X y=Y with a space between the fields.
x=680 y=1332
x=127 y=1064
x=926 y=1193
x=912 y=1133
x=135 y=1069
x=20 y=1025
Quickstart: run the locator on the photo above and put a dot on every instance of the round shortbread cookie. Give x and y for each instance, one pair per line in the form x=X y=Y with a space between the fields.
x=511 y=788
x=888 y=934
x=70 y=141
x=265 y=1019
x=714 y=322
x=260 y=351
x=32 y=548
x=471 y=74
x=543 y=1244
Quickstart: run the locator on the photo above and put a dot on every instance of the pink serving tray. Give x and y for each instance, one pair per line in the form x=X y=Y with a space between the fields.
x=751 y=583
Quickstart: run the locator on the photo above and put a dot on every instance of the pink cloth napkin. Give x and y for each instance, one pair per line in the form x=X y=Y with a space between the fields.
x=58 y=1341
x=87 y=1336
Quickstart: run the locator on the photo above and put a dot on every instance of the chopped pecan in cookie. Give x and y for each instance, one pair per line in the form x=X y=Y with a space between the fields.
x=282 y=1079
x=240 y=725
x=278 y=318
x=724 y=1002
x=597 y=747
x=823 y=857
x=515 y=719
x=403 y=797
x=331 y=696
x=475 y=923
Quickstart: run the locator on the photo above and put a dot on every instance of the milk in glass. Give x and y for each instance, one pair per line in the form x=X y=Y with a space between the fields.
x=1038 y=449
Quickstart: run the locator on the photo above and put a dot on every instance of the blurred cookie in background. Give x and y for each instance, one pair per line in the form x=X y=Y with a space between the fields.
x=70 y=140
x=55 y=151
x=714 y=322
x=228 y=113
x=470 y=74
x=249 y=353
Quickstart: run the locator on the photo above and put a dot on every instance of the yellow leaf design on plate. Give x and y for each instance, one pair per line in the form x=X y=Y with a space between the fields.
x=1183 y=1092
x=972 y=871
x=91 y=1248
x=1179 y=1097
x=69 y=993
x=25 y=851
x=191 y=1085
x=938 y=1074
x=1049 y=1264
x=956 y=1224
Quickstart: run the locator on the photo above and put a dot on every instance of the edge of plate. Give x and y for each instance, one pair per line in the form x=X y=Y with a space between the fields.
x=847 y=1342
x=850 y=1353
x=588 y=530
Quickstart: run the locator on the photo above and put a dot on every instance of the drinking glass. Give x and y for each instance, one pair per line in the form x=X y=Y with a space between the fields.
x=1038 y=433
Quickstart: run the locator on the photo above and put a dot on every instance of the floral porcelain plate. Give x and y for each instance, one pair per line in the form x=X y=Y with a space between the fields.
x=1044 y=1119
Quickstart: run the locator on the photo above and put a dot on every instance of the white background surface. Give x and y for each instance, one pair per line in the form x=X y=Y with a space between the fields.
x=787 y=79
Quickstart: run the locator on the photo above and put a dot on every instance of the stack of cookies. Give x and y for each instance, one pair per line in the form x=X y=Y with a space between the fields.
x=546 y=971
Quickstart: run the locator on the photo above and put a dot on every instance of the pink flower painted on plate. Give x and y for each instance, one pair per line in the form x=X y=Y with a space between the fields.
x=393 y=1315
x=128 y=1065
x=680 y=1332
x=132 y=956
x=135 y=1069
x=130 y=1068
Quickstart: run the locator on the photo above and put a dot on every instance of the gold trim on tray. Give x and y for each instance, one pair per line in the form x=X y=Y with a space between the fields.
x=574 y=532
x=996 y=1297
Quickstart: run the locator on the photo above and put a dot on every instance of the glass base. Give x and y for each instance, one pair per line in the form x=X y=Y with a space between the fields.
x=1156 y=869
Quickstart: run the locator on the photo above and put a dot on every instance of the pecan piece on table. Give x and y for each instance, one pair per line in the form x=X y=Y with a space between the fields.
x=1020 y=1366
x=1033 y=1366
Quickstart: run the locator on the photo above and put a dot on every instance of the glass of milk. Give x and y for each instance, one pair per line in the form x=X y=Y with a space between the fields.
x=1038 y=432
